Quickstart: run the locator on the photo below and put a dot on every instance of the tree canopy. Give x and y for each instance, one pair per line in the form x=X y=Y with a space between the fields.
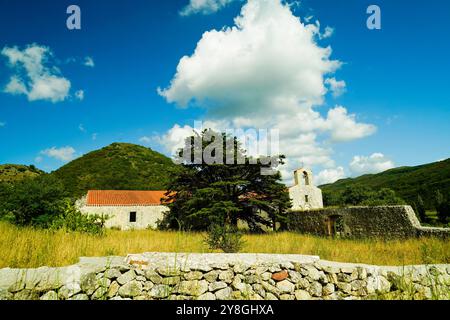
x=227 y=187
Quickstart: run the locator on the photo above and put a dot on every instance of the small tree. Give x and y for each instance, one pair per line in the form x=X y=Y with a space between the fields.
x=71 y=219
x=383 y=197
x=356 y=195
x=420 y=209
x=35 y=201
x=224 y=237
x=442 y=207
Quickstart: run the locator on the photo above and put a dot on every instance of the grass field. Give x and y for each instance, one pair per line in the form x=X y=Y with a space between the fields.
x=27 y=247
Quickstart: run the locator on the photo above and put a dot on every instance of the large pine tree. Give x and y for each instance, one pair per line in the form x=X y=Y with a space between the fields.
x=220 y=192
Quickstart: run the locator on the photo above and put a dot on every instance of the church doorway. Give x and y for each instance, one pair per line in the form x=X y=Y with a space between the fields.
x=335 y=226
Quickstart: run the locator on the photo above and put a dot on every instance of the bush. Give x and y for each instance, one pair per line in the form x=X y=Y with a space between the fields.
x=365 y=196
x=71 y=219
x=442 y=206
x=419 y=208
x=225 y=238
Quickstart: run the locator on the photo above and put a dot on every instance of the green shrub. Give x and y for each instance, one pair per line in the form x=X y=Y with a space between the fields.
x=71 y=219
x=419 y=208
x=34 y=201
x=225 y=238
x=442 y=207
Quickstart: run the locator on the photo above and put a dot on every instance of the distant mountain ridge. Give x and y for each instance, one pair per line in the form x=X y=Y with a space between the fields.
x=407 y=182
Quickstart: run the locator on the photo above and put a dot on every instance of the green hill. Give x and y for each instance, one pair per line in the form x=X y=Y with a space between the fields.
x=119 y=166
x=10 y=173
x=407 y=182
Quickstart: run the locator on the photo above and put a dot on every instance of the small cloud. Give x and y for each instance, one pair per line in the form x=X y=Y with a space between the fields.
x=89 y=62
x=81 y=128
x=308 y=19
x=94 y=136
x=38 y=159
x=63 y=154
x=79 y=95
x=2 y=124
x=145 y=140
x=328 y=33
x=337 y=87
x=204 y=7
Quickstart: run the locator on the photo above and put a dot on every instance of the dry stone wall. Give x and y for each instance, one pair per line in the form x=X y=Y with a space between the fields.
x=156 y=276
x=363 y=222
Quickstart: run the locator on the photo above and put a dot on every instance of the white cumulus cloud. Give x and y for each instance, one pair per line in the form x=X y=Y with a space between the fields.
x=267 y=71
x=344 y=127
x=374 y=163
x=204 y=6
x=63 y=154
x=329 y=175
x=33 y=77
x=174 y=138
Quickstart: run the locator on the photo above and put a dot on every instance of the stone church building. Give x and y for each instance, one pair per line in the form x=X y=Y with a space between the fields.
x=129 y=209
x=304 y=195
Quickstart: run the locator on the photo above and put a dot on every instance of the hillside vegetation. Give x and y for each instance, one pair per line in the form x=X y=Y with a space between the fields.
x=407 y=182
x=119 y=166
x=11 y=173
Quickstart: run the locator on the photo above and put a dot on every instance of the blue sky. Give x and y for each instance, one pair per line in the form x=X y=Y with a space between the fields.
x=396 y=79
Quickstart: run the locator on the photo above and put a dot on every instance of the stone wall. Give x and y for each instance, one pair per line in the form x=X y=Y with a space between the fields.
x=154 y=276
x=361 y=222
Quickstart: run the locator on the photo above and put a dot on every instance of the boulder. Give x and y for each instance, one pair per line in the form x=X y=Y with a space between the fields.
x=302 y=295
x=217 y=286
x=280 y=276
x=224 y=294
x=126 y=277
x=193 y=288
x=130 y=289
x=207 y=296
x=160 y=291
x=50 y=295
x=285 y=286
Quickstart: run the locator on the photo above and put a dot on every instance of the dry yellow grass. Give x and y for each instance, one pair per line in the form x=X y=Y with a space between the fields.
x=27 y=247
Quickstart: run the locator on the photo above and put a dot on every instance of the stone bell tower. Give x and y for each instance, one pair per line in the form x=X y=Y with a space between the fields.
x=303 y=193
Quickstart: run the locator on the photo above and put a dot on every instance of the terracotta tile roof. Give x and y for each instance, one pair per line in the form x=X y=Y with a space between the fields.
x=124 y=198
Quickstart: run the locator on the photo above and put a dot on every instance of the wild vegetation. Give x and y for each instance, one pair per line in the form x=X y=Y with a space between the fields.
x=10 y=173
x=407 y=182
x=359 y=195
x=37 y=247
